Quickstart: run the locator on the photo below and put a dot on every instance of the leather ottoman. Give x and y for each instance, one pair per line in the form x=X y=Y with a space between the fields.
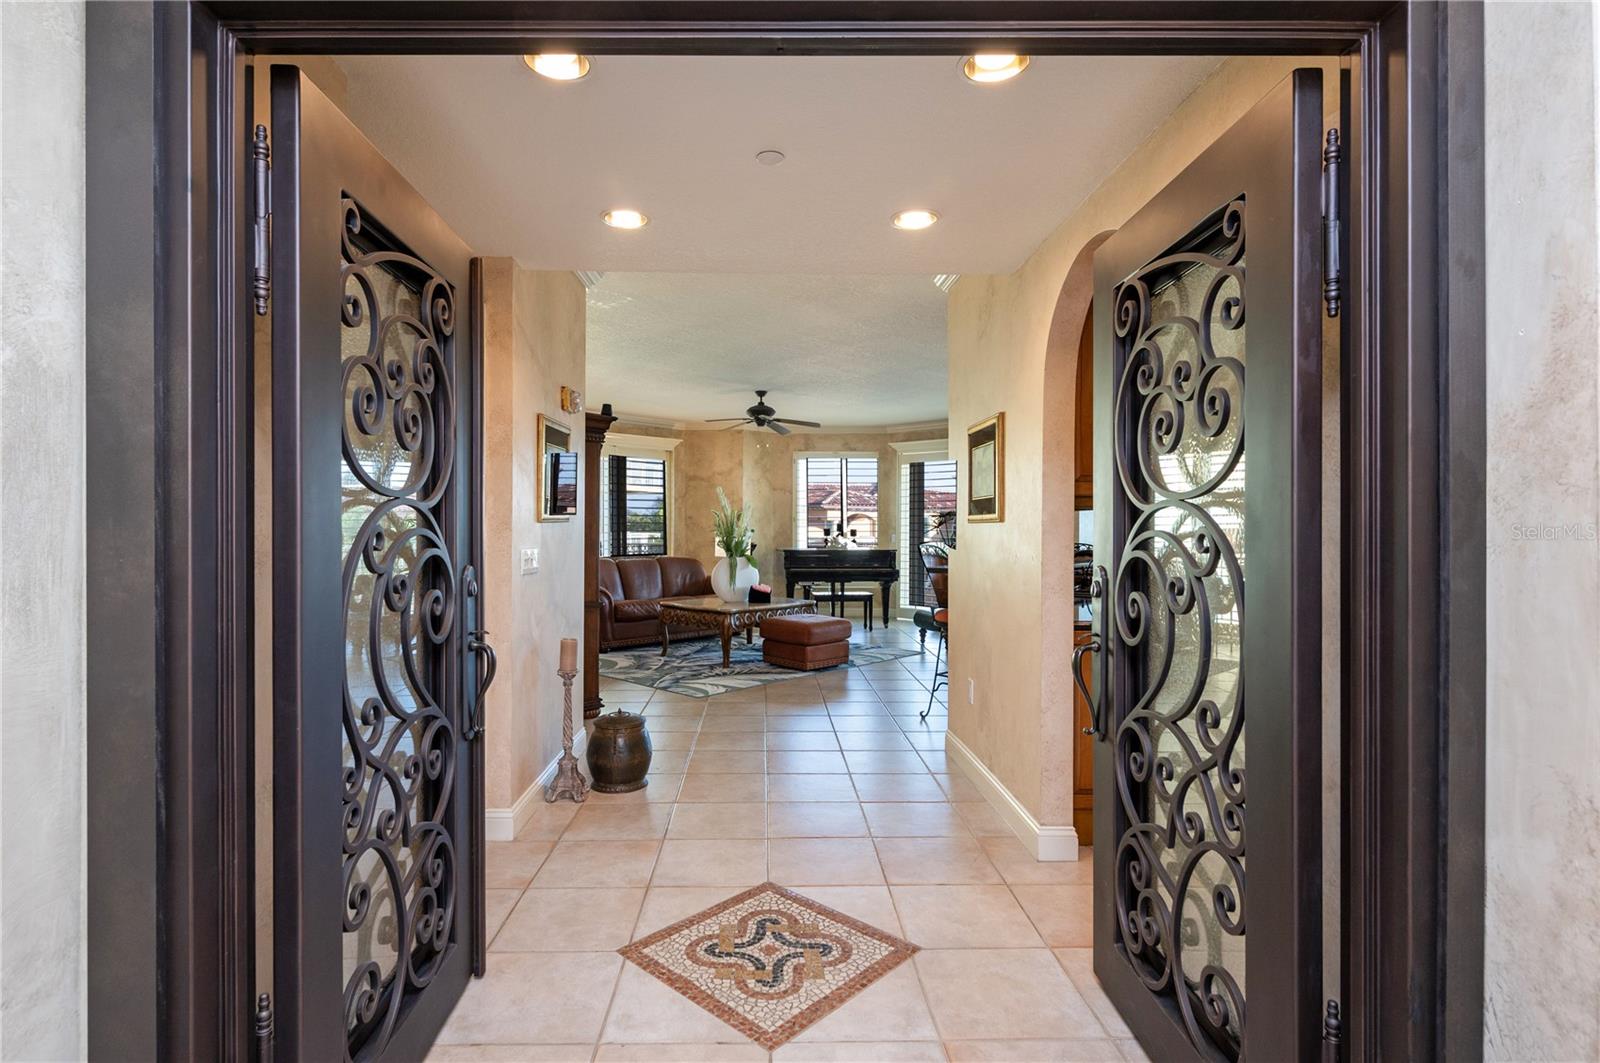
x=805 y=641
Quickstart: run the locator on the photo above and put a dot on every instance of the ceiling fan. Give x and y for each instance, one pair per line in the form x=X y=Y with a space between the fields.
x=760 y=415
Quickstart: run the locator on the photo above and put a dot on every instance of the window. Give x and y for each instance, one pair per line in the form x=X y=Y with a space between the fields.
x=830 y=491
x=927 y=495
x=633 y=506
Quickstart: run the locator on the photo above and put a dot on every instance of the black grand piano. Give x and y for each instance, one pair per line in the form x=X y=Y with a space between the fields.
x=838 y=566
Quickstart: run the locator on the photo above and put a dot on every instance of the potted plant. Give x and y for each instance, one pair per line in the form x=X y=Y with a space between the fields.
x=734 y=574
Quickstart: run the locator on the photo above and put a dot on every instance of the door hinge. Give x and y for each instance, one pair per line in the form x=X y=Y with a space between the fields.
x=1332 y=223
x=260 y=220
x=1332 y=1033
x=264 y=1028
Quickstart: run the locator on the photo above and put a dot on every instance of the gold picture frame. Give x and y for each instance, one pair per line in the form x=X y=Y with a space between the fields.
x=554 y=438
x=986 y=471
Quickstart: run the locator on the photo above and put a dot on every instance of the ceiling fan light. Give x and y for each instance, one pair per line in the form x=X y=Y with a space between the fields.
x=987 y=68
x=559 y=66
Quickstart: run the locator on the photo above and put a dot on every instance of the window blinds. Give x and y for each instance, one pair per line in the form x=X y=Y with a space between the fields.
x=633 y=506
x=834 y=491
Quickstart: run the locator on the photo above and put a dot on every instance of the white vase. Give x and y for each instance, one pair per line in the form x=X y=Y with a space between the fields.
x=736 y=589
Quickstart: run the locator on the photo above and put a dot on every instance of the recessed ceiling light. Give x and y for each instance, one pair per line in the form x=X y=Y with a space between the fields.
x=558 y=66
x=769 y=157
x=988 y=67
x=622 y=218
x=914 y=219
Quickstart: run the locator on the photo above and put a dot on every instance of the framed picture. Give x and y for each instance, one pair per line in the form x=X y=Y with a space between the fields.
x=557 y=483
x=986 y=470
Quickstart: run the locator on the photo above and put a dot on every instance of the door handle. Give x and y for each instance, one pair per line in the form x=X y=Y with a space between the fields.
x=1093 y=644
x=1089 y=645
x=477 y=643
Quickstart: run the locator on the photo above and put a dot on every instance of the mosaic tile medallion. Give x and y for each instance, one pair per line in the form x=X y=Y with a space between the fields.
x=769 y=962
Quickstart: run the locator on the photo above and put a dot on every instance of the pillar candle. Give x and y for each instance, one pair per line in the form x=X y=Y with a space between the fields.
x=569 y=655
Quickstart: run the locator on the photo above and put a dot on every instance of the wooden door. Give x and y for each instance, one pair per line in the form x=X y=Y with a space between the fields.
x=1208 y=310
x=1082 y=630
x=377 y=889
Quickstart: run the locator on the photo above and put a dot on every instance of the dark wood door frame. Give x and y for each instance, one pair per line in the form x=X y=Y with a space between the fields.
x=168 y=409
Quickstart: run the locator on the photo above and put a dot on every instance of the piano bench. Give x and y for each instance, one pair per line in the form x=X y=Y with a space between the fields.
x=841 y=599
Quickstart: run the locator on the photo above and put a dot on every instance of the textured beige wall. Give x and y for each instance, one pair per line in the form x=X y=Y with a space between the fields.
x=757 y=468
x=703 y=462
x=1542 y=916
x=533 y=344
x=769 y=486
x=1000 y=326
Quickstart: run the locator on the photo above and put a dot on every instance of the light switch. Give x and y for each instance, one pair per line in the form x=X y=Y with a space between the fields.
x=972 y=689
x=530 y=561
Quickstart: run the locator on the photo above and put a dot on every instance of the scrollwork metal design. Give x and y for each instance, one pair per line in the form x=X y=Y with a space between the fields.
x=1177 y=609
x=399 y=861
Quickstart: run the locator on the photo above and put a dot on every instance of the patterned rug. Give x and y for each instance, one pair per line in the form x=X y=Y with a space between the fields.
x=769 y=962
x=695 y=668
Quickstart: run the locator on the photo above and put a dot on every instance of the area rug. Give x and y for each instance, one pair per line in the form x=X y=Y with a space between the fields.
x=769 y=962
x=695 y=668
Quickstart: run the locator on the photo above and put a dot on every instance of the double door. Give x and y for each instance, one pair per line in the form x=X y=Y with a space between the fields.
x=1207 y=597
x=376 y=817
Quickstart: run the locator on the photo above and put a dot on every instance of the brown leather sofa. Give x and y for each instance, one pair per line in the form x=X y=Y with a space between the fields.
x=632 y=590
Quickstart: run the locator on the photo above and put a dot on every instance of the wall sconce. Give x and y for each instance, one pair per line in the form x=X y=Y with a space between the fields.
x=571 y=400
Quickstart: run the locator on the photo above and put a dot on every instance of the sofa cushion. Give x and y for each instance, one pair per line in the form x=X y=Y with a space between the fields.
x=610 y=582
x=641 y=577
x=627 y=610
x=683 y=577
x=806 y=629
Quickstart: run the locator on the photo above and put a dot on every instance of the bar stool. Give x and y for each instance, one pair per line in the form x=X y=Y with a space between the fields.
x=938 y=622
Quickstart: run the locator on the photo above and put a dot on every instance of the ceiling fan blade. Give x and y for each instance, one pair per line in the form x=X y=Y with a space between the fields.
x=731 y=427
x=778 y=428
x=801 y=424
x=714 y=420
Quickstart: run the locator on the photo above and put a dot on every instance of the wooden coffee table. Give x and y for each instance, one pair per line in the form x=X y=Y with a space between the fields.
x=726 y=618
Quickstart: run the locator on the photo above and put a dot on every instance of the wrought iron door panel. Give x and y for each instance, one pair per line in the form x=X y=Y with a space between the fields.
x=1177 y=599
x=1196 y=518
x=400 y=858
x=377 y=889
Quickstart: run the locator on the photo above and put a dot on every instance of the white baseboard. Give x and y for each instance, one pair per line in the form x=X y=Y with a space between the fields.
x=502 y=824
x=1045 y=843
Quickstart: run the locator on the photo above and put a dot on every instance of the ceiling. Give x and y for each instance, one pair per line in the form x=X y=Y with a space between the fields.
x=522 y=166
x=848 y=351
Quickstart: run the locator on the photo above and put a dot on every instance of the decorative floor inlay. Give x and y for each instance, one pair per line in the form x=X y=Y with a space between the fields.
x=769 y=962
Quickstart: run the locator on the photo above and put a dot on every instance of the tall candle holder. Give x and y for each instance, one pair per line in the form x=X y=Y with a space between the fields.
x=569 y=781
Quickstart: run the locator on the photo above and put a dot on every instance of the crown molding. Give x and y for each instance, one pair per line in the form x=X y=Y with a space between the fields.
x=624 y=441
x=941 y=427
x=626 y=419
x=922 y=447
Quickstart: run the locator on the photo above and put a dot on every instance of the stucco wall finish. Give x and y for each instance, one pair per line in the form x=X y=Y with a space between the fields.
x=1542 y=916
x=42 y=692
x=999 y=327
x=533 y=343
x=757 y=469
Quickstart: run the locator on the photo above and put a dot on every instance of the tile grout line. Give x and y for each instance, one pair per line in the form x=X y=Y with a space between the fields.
x=622 y=964
x=885 y=708
x=916 y=970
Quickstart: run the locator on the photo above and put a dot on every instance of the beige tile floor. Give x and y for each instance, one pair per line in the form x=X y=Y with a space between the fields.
x=830 y=785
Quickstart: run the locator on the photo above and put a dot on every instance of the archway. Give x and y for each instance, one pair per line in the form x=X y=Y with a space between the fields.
x=1067 y=483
